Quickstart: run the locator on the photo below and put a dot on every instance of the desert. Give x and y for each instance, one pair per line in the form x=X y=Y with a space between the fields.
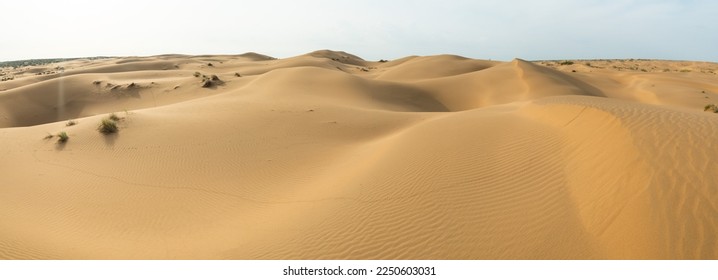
x=326 y=155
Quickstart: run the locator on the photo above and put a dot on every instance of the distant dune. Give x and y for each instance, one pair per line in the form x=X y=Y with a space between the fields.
x=329 y=156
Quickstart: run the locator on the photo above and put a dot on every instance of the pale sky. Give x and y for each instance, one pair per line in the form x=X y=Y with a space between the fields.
x=389 y=29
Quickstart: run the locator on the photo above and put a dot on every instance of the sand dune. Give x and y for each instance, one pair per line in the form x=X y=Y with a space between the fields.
x=329 y=156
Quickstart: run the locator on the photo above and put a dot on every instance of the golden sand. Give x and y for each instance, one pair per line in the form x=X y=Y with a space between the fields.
x=328 y=156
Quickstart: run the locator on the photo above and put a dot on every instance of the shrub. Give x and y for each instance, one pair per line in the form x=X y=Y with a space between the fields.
x=71 y=123
x=114 y=117
x=197 y=74
x=208 y=82
x=711 y=107
x=62 y=137
x=210 y=64
x=107 y=126
x=383 y=60
x=566 y=62
x=237 y=74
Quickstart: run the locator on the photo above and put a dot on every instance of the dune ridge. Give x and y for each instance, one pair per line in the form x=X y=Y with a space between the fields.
x=329 y=156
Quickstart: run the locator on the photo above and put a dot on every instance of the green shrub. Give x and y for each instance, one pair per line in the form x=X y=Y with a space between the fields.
x=114 y=117
x=566 y=62
x=71 y=123
x=62 y=137
x=107 y=126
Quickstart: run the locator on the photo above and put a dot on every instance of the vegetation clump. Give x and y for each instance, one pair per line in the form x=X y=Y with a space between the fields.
x=711 y=107
x=71 y=123
x=114 y=117
x=62 y=137
x=211 y=81
x=108 y=126
x=566 y=62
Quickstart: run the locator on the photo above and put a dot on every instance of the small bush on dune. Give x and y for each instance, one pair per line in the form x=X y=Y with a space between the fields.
x=71 y=123
x=114 y=117
x=566 y=62
x=107 y=126
x=208 y=82
x=711 y=107
x=62 y=137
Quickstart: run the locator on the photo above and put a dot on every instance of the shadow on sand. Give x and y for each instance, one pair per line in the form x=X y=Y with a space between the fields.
x=110 y=139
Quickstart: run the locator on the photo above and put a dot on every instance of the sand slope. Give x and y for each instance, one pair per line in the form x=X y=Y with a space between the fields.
x=328 y=156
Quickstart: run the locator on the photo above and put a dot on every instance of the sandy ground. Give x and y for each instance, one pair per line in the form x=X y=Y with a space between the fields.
x=328 y=156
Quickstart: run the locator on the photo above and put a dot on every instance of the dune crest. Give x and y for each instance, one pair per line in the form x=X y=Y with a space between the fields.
x=330 y=156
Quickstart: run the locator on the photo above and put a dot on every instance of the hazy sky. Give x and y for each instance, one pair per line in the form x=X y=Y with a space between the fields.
x=500 y=30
